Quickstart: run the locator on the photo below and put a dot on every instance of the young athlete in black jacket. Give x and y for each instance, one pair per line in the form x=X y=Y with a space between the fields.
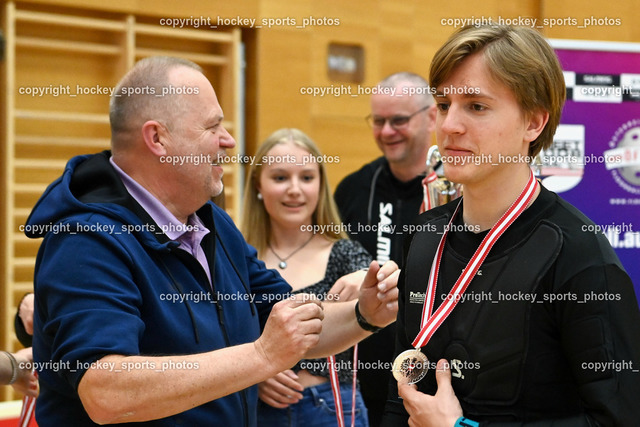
x=531 y=320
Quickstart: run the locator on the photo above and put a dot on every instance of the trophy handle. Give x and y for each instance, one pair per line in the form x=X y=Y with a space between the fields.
x=440 y=190
x=434 y=159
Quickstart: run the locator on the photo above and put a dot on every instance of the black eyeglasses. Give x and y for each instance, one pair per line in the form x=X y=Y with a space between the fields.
x=396 y=122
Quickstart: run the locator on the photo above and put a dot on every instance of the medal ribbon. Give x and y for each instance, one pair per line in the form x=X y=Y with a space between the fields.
x=335 y=388
x=28 y=411
x=430 y=323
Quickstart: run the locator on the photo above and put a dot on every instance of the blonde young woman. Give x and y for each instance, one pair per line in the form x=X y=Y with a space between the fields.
x=290 y=218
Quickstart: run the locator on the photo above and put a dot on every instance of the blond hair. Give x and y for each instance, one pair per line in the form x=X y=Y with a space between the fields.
x=521 y=59
x=255 y=223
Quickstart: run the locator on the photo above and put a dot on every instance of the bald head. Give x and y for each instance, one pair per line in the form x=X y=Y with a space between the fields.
x=402 y=79
x=145 y=93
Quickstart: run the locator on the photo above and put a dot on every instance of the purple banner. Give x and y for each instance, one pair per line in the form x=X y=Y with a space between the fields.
x=594 y=162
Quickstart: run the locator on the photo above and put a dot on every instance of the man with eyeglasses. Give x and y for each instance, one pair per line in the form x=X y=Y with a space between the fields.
x=382 y=197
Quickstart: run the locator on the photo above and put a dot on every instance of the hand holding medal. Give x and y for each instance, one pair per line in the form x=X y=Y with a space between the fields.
x=443 y=408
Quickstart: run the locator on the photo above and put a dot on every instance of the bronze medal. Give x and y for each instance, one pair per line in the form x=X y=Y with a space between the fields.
x=410 y=366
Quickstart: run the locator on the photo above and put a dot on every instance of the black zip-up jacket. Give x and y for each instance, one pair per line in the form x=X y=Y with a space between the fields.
x=546 y=334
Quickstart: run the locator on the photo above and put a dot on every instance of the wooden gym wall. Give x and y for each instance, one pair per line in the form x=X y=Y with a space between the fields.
x=92 y=43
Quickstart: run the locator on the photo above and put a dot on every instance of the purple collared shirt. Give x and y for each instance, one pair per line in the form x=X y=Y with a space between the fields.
x=189 y=235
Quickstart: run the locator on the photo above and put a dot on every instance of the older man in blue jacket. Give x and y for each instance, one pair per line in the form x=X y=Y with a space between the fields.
x=150 y=306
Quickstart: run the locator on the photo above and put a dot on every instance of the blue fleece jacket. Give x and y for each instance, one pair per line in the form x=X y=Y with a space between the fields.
x=108 y=281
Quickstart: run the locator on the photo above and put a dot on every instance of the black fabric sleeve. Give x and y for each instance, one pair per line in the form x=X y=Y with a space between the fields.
x=601 y=341
x=394 y=412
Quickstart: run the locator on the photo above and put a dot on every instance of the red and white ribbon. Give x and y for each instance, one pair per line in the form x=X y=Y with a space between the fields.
x=427 y=203
x=335 y=388
x=430 y=323
x=28 y=411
